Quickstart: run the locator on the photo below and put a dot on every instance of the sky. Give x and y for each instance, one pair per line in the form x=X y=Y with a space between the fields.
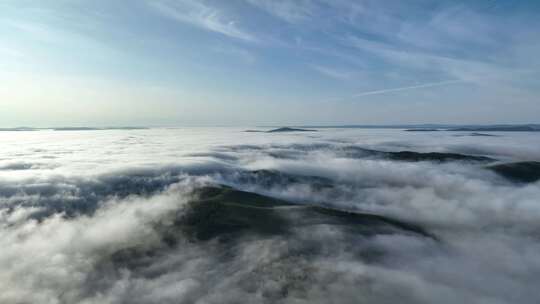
x=255 y=62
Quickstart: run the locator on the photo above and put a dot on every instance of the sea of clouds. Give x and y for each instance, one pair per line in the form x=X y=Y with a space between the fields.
x=82 y=215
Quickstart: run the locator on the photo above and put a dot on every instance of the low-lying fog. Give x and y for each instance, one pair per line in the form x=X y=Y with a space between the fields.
x=162 y=216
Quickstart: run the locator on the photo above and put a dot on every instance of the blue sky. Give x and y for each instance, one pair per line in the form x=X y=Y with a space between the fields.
x=255 y=62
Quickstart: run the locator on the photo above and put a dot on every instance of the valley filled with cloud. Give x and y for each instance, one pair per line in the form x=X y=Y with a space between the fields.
x=219 y=215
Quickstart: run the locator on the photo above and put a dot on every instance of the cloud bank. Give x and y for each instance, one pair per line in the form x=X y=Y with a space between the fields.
x=79 y=232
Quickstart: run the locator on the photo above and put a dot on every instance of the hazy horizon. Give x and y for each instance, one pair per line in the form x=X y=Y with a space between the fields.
x=396 y=126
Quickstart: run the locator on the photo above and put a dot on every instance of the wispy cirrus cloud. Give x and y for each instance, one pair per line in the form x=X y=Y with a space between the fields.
x=283 y=48
x=332 y=72
x=418 y=61
x=290 y=11
x=452 y=40
x=235 y=52
x=204 y=16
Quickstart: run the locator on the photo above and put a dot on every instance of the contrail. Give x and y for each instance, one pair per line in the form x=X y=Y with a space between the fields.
x=425 y=85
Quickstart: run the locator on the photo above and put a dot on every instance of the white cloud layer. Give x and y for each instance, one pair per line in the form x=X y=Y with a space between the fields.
x=87 y=224
x=198 y=14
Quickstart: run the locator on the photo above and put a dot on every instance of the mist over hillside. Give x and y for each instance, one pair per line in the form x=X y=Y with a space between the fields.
x=219 y=215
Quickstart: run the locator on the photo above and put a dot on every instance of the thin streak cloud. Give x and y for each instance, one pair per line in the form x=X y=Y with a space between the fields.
x=420 y=86
x=407 y=88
